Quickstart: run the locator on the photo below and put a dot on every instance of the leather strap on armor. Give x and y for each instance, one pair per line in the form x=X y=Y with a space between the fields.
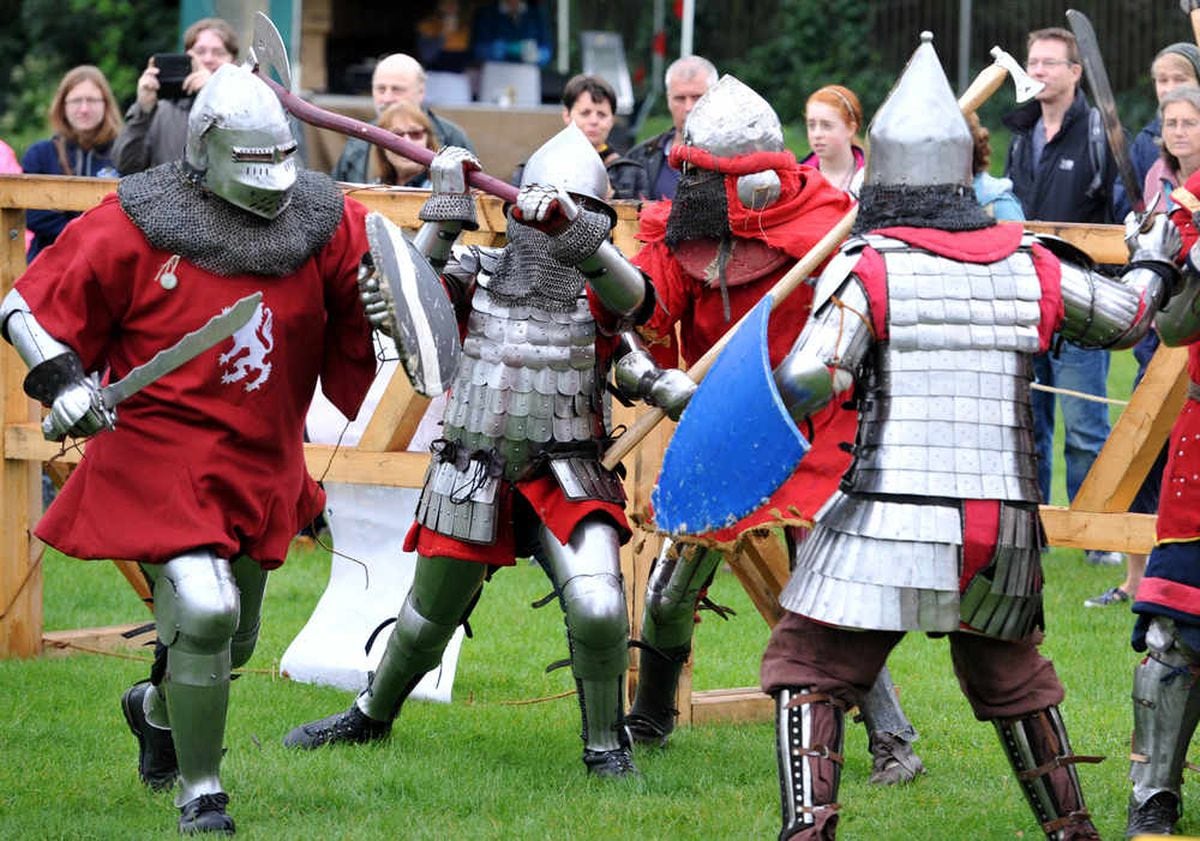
x=809 y=735
x=1040 y=754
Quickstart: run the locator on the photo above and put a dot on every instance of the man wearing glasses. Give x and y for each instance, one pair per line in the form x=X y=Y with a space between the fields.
x=1063 y=171
x=397 y=78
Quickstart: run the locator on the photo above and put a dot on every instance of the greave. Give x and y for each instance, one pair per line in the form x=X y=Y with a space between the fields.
x=601 y=705
x=414 y=648
x=1166 y=708
x=809 y=735
x=197 y=695
x=881 y=710
x=1040 y=754
x=658 y=683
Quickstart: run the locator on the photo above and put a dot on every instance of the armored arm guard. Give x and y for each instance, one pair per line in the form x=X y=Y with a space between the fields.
x=638 y=376
x=56 y=377
x=825 y=358
x=1106 y=313
x=619 y=284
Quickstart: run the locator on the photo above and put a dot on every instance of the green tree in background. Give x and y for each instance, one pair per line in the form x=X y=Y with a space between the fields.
x=42 y=39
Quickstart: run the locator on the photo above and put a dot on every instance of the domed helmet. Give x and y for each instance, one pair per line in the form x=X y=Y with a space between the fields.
x=568 y=160
x=240 y=142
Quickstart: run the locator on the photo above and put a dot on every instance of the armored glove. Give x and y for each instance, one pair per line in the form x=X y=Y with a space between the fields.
x=451 y=200
x=637 y=375
x=575 y=233
x=374 y=298
x=1154 y=242
x=671 y=392
x=77 y=411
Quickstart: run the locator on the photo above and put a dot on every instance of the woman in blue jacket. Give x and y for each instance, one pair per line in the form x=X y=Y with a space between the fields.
x=84 y=119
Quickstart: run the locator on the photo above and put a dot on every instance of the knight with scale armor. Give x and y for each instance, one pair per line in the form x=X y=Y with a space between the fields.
x=934 y=312
x=517 y=470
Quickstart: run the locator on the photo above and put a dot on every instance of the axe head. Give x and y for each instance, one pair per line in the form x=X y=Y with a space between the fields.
x=267 y=53
x=1027 y=88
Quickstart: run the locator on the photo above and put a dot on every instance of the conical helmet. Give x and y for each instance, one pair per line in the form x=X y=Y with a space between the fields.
x=919 y=136
x=567 y=160
x=731 y=120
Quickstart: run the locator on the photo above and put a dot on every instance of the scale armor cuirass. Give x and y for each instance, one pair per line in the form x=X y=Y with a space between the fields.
x=527 y=392
x=944 y=416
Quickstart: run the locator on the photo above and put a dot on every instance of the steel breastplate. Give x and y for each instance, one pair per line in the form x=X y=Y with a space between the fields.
x=947 y=399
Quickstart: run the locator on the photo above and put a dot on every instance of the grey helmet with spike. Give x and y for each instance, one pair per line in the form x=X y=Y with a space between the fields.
x=919 y=137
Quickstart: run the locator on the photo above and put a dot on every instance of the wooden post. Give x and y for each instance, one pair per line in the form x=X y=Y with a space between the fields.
x=20 y=497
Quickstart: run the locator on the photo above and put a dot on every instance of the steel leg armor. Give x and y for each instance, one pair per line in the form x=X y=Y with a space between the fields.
x=442 y=591
x=668 y=620
x=809 y=734
x=890 y=734
x=1040 y=753
x=585 y=574
x=1166 y=708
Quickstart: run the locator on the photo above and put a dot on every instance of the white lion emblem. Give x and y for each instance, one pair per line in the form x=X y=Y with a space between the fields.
x=248 y=356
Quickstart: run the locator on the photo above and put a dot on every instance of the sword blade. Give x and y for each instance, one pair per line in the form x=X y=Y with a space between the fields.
x=218 y=328
x=1102 y=95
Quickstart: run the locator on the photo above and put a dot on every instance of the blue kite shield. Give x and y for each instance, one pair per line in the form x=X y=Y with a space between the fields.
x=735 y=444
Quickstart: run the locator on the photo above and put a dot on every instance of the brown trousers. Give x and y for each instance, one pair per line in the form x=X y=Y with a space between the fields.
x=1000 y=678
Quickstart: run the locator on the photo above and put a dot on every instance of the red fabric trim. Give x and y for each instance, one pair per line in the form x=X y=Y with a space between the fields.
x=872 y=271
x=1171 y=594
x=1049 y=272
x=981 y=527
x=738 y=165
x=558 y=513
x=986 y=245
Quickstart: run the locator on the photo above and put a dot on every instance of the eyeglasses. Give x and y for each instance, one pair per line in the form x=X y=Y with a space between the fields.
x=414 y=134
x=1046 y=62
x=80 y=101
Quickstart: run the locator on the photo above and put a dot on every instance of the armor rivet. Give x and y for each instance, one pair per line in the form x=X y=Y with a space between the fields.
x=169 y=280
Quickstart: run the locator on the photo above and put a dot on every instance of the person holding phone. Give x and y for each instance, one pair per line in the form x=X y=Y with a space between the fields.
x=156 y=124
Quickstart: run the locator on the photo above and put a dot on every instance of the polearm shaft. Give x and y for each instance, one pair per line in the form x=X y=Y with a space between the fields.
x=316 y=116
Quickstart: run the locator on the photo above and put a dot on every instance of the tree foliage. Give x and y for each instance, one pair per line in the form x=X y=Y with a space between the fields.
x=42 y=39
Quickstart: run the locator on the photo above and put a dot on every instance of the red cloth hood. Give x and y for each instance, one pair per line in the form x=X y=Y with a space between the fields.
x=807 y=202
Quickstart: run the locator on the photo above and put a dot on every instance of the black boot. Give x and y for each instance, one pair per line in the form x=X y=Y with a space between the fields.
x=651 y=717
x=206 y=813
x=1157 y=816
x=157 y=765
x=351 y=727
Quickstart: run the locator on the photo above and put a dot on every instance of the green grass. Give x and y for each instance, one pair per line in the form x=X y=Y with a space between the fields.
x=487 y=766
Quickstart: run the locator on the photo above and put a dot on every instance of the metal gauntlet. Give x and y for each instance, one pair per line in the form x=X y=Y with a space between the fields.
x=374 y=299
x=451 y=200
x=638 y=376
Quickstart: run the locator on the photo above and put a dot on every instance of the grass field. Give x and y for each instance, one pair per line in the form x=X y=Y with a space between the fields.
x=490 y=766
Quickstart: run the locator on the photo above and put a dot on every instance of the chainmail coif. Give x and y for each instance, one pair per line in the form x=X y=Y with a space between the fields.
x=528 y=275
x=185 y=218
x=947 y=207
x=700 y=209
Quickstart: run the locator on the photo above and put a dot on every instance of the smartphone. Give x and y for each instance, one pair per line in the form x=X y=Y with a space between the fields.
x=173 y=68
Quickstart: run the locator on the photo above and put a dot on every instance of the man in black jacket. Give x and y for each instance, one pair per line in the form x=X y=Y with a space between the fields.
x=687 y=80
x=1063 y=171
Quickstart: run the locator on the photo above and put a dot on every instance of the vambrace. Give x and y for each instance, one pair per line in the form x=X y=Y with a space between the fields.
x=1179 y=322
x=620 y=285
x=638 y=377
x=823 y=361
x=809 y=736
x=19 y=327
x=1104 y=313
x=1040 y=754
x=435 y=239
x=1166 y=708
